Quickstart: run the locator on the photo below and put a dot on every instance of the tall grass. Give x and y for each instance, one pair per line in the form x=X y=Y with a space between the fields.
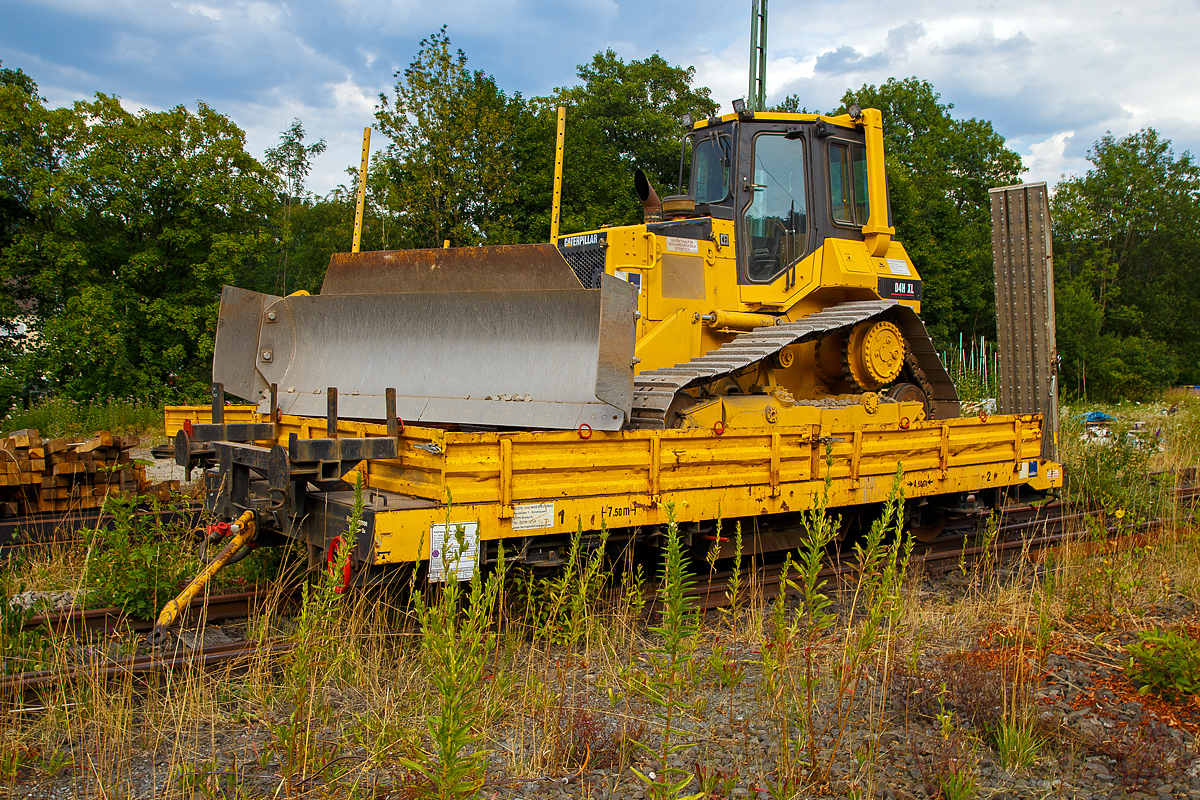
x=1107 y=464
x=468 y=692
x=59 y=416
x=973 y=368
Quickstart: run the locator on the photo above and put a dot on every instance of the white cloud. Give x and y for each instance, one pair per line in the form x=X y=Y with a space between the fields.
x=200 y=10
x=1051 y=77
x=350 y=97
x=1047 y=160
x=263 y=12
x=134 y=106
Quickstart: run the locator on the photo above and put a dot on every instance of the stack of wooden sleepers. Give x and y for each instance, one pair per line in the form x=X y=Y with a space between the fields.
x=67 y=474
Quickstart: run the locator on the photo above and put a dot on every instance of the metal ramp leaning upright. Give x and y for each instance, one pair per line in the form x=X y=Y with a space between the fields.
x=1024 y=279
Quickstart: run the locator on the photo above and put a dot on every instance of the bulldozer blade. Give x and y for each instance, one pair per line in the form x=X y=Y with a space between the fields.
x=241 y=316
x=554 y=359
x=505 y=267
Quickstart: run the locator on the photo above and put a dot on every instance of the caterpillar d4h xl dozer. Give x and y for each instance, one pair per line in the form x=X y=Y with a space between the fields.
x=751 y=338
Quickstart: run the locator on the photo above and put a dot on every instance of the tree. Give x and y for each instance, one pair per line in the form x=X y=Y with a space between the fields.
x=623 y=116
x=469 y=163
x=1127 y=254
x=321 y=227
x=17 y=92
x=451 y=159
x=791 y=105
x=291 y=161
x=939 y=173
x=131 y=224
x=32 y=197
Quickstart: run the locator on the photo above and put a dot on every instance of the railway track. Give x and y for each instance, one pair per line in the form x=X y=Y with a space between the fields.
x=148 y=663
x=38 y=530
x=214 y=608
x=181 y=653
x=1022 y=530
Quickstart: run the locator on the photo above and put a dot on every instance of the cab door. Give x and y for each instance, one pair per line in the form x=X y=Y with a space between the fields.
x=774 y=229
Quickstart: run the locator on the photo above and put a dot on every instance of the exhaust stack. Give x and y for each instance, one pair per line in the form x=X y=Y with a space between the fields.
x=652 y=210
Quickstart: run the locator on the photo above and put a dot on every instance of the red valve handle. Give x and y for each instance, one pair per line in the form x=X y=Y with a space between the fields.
x=334 y=544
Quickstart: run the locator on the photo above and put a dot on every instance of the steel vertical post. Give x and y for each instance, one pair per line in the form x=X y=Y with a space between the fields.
x=752 y=92
x=360 y=206
x=760 y=103
x=558 y=174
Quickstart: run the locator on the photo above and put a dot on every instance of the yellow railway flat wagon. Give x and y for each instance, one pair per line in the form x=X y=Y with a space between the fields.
x=175 y=417
x=535 y=488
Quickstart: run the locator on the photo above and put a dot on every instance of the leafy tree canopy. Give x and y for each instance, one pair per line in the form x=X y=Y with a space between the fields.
x=290 y=161
x=1127 y=268
x=129 y=224
x=622 y=117
x=452 y=156
x=469 y=163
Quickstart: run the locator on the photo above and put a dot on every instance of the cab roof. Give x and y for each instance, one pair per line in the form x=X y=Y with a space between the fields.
x=842 y=120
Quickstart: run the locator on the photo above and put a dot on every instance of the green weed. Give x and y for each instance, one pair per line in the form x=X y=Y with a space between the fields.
x=1017 y=742
x=972 y=378
x=812 y=621
x=1165 y=663
x=315 y=657
x=136 y=567
x=18 y=646
x=558 y=609
x=954 y=759
x=456 y=640
x=59 y=416
x=667 y=682
x=1111 y=472
x=13 y=758
x=958 y=785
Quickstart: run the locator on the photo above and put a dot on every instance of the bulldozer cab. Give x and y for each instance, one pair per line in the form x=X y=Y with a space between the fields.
x=787 y=181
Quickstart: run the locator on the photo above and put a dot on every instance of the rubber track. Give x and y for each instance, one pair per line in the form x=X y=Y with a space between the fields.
x=654 y=390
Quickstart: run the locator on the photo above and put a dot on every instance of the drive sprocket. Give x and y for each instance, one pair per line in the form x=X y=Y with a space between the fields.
x=874 y=354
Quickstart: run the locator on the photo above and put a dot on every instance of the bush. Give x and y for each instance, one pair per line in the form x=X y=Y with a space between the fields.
x=1111 y=473
x=1138 y=369
x=1165 y=663
x=137 y=568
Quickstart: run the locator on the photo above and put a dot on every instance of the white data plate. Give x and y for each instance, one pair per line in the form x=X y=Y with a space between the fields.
x=532 y=516
x=445 y=549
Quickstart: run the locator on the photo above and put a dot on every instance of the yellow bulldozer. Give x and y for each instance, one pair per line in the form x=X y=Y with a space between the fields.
x=755 y=336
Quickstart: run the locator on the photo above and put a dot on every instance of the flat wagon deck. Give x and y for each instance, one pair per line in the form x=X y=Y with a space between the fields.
x=522 y=485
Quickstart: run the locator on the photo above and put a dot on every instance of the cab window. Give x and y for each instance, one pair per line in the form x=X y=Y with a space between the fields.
x=711 y=166
x=848 y=183
x=776 y=220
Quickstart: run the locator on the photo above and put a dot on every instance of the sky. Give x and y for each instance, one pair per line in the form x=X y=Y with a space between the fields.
x=1051 y=77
